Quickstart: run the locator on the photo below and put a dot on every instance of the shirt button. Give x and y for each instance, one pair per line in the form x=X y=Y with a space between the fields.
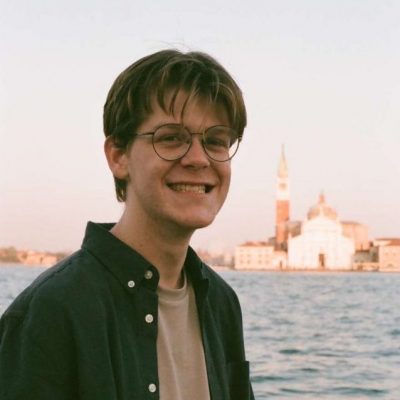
x=148 y=274
x=131 y=284
x=152 y=388
x=149 y=318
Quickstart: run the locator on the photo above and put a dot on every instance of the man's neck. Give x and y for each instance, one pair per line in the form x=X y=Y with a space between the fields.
x=162 y=246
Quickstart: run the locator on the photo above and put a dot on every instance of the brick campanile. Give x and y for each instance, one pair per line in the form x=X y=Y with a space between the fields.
x=282 y=204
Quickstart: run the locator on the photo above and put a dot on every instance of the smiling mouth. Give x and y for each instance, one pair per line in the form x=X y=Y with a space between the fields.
x=181 y=187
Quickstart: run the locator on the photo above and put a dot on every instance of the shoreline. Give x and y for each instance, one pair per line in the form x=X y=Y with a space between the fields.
x=222 y=268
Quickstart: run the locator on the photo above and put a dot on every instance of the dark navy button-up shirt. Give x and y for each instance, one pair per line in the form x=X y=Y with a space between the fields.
x=86 y=329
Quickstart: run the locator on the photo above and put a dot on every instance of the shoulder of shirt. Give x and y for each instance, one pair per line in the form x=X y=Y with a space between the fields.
x=57 y=284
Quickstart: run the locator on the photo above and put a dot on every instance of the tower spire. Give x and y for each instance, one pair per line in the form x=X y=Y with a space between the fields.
x=282 y=203
x=282 y=168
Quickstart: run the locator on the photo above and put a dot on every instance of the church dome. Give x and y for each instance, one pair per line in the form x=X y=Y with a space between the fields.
x=322 y=209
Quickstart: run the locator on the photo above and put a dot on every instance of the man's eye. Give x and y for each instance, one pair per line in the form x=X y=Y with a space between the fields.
x=169 y=137
x=218 y=141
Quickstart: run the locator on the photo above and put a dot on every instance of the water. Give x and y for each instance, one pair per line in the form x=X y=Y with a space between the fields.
x=322 y=336
x=308 y=336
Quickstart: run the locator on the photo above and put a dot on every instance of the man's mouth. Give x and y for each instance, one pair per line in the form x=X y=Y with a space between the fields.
x=183 y=187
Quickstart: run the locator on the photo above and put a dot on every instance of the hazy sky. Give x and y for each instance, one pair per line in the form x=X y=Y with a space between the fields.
x=322 y=77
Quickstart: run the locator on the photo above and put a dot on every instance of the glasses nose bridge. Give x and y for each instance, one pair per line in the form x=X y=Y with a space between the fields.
x=201 y=138
x=201 y=142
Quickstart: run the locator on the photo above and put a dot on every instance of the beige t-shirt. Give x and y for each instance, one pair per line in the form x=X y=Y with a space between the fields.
x=181 y=362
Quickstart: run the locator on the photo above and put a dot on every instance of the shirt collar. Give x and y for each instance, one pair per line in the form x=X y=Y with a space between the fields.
x=127 y=265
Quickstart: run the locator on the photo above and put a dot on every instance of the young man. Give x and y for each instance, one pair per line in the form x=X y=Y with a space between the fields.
x=135 y=314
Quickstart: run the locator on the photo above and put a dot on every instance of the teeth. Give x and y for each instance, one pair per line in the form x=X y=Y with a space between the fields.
x=188 y=188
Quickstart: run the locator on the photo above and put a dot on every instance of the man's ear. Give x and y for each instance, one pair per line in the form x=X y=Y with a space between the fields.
x=117 y=158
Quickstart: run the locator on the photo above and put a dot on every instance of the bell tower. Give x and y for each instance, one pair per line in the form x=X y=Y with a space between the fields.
x=282 y=204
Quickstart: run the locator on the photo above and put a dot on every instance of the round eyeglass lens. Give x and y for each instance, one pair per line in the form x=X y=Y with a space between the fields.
x=171 y=141
x=220 y=143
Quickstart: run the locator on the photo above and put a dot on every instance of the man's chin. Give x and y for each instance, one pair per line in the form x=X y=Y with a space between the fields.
x=198 y=224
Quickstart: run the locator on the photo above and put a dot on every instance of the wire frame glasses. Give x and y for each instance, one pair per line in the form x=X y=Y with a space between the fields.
x=172 y=141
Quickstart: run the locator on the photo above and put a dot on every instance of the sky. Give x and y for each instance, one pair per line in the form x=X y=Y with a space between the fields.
x=319 y=77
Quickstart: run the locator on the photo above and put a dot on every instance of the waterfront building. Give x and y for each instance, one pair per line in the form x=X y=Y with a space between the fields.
x=254 y=256
x=387 y=251
x=321 y=243
x=365 y=260
x=358 y=232
x=31 y=257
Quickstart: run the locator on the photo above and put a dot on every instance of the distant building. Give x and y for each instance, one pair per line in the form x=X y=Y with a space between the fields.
x=216 y=259
x=254 y=256
x=31 y=257
x=358 y=232
x=365 y=260
x=320 y=242
x=388 y=254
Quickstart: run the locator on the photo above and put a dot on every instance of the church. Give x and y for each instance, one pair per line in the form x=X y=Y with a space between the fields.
x=320 y=242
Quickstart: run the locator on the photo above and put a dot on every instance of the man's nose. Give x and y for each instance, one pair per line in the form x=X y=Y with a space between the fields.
x=196 y=155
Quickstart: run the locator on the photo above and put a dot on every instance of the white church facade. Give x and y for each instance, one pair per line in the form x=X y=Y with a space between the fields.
x=321 y=243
